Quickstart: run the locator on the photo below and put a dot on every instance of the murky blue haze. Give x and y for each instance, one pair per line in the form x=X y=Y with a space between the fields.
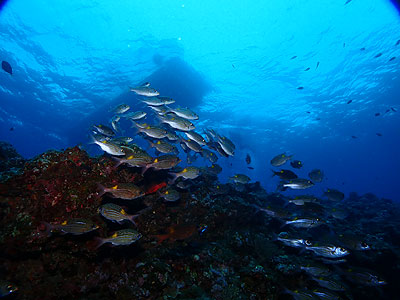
x=231 y=62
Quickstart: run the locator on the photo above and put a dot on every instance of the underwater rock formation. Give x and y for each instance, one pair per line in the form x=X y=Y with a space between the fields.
x=211 y=244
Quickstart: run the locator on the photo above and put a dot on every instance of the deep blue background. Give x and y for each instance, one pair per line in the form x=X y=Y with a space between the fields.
x=227 y=60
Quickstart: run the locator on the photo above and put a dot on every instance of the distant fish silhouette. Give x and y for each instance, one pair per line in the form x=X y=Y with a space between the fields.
x=344 y=45
x=309 y=112
x=12 y=129
x=348 y=102
x=377 y=114
x=307 y=69
x=379 y=134
x=300 y=88
x=6 y=67
x=386 y=111
x=378 y=55
x=293 y=57
x=251 y=168
x=347 y=2
x=353 y=137
x=317 y=119
x=393 y=58
x=248 y=159
x=393 y=109
x=233 y=65
x=362 y=49
x=398 y=43
x=317 y=65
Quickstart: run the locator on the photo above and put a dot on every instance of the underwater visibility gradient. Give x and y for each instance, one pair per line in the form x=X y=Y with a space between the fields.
x=199 y=149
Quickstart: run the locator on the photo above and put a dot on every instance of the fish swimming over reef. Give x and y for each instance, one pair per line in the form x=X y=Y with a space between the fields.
x=126 y=191
x=71 y=226
x=115 y=213
x=122 y=237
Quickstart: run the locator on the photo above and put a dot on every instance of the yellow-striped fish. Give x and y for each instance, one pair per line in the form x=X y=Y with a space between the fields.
x=116 y=213
x=122 y=237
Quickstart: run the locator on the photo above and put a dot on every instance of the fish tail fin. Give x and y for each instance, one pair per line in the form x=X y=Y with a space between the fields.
x=145 y=168
x=118 y=160
x=151 y=144
x=96 y=243
x=101 y=190
x=132 y=219
x=175 y=177
x=45 y=228
x=273 y=173
x=92 y=139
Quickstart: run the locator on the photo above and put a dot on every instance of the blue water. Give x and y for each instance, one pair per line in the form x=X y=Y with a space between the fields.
x=230 y=61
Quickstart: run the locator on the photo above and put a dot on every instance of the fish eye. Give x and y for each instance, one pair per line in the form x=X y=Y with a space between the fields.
x=307 y=242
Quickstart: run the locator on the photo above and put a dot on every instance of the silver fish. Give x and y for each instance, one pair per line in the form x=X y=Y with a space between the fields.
x=304 y=222
x=145 y=90
x=192 y=145
x=196 y=137
x=185 y=113
x=137 y=115
x=280 y=159
x=298 y=184
x=122 y=108
x=122 y=237
x=108 y=147
x=328 y=251
x=177 y=122
x=103 y=129
x=115 y=213
x=170 y=195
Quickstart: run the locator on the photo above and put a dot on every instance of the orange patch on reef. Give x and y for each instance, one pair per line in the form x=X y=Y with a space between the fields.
x=155 y=188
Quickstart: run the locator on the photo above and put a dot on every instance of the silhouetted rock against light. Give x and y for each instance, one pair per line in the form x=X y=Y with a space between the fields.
x=174 y=78
x=9 y=157
x=11 y=162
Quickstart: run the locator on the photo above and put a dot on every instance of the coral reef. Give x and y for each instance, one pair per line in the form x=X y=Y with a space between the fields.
x=211 y=244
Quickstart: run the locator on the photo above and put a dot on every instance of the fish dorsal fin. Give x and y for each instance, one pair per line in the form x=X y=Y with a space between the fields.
x=130 y=157
x=104 y=142
x=115 y=235
x=115 y=187
x=123 y=212
x=167 y=192
x=148 y=127
x=184 y=170
x=158 y=143
x=146 y=84
x=156 y=160
x=64 y=223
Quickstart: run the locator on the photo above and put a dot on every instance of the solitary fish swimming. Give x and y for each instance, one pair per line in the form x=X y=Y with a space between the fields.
x=6 y=67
